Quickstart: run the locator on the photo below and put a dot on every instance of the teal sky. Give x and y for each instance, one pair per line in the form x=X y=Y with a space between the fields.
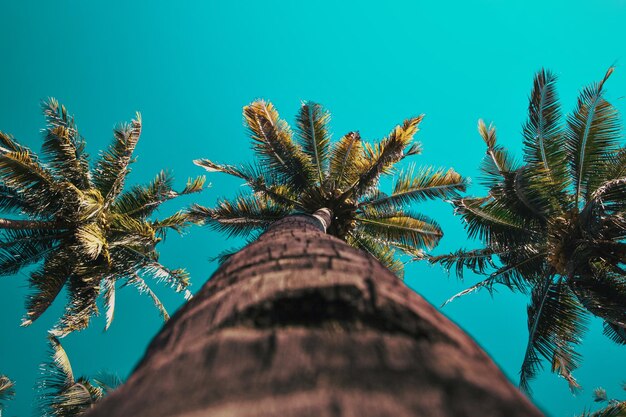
x=191 y=68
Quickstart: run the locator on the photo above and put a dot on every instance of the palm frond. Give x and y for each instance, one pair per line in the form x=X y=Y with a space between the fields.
x=477 y=261
x=382 y=156
x=384 y=253
x=312 y=121
x=143 y=288
x=242 y=216
x=492 y=222
x=544 y=142
x=21 y=172
x=64 y=147
x=108 y=290
x=556 y=322
x=592 y=135
x=47 y=282
x=275 y=147
x=107 y=381
x=7 y=391
x=113 y=167
x=427 y=184
x=346 y=160
x=497 y=163
x=402 y=227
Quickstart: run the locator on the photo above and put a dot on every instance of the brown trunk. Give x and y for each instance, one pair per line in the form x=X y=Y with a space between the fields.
x=300 y=324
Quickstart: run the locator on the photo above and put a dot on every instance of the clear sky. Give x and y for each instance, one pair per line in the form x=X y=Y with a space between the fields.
x=190 y=69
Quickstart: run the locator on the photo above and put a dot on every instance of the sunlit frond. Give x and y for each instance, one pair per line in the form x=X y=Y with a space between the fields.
x=64 y=147
x=382 y=156
x=274 y=145
x=426 y=184
x=384 y=253
x=113 y=166
x=402 y=227
x=312 y=121
x=346 y=160
x=7 y=391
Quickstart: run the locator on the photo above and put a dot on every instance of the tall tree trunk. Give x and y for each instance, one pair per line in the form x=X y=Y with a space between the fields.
x=300 y=324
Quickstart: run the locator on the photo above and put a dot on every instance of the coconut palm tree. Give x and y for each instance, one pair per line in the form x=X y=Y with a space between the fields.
x=7 y=391
x=554 y=226
x=78 y=223
x=61 y=394
x=308 y=173
x=299 y=323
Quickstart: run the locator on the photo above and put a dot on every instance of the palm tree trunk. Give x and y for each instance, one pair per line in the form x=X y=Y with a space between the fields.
x=28 y=224
x=300 y=324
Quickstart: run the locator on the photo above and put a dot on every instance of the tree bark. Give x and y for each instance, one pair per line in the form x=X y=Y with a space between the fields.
x=298 y=323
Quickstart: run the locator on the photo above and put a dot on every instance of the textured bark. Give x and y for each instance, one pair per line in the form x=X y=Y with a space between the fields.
x=300 y=324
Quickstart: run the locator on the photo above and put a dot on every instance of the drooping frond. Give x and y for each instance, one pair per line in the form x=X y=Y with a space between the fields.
x=107 y=288
x=491 y=222
x=427 y=184
x=404 y=228
x=143 y=288
x=592 y=134
x=259 y=180
x=22 y=173
x=478 y=261
x=64 y=147
x=81 y=307
x=275 y=147
x=113 y=166
x=60 y=393
x=242 y=216
x=47 y=283
x=384 y=253
x=604 y=295
x=556 y=322
x=544 y=141
x=346 y=160
x=382 y=156
x=312 y=121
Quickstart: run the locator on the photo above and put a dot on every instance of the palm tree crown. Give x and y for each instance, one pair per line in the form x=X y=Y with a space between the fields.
x=80 y=222
x=307 y=173
x=61 y=393
x=554 y=226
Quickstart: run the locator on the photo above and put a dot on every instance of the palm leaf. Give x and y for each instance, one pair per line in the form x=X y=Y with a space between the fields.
x=544 y=144
x=64 y=146
x=592 y=133
x=404 y=228
x=312 y=121
x=383 y=253
x=274 y=145
x=427 y=184
x=556 y=322
x=241 y=217
x=346 y=159
x=382 y=156
x=7 y=391
x=113 y=166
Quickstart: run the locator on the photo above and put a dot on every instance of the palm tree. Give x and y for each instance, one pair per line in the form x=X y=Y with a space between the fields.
x=309 y=173
x=64 y=395
x=299 y=323
x=7 y=391
x=79 y=224
x=613 y=407
x=554 y=226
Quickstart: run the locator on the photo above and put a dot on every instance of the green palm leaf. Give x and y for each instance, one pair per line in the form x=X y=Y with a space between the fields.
x=591 y=138
x=274 y=145
x=312 y=121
